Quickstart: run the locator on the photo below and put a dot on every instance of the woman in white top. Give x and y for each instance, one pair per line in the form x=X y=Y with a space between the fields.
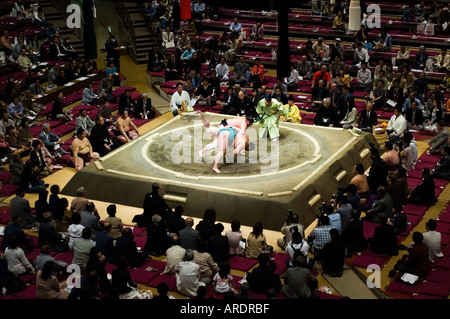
x=350 y=118
x=234 y=237
x=16 y=259
x=75 y=229
x=168 y=38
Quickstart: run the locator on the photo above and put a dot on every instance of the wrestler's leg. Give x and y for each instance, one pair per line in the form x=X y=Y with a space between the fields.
x=209 y=147
x=95 y=156
x=239 y=143
x=122 y=139
x=223 y=142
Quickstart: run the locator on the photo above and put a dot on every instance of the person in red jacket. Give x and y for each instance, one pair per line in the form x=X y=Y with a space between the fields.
x=323 y=74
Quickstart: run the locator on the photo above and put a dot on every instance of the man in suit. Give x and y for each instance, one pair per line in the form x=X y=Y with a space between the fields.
x=126 y=102
x=367 y=119
x=49 y=236
x=51 y=141
x=440 y=140
x=228 y=102
x=144 y=108
x=243 y=105
x=326 y=115
x=239 y=72
x=280 y=96
x=304 y=68
x=381 y=207
x=57 y=108
x=57 y=52
x=334 y=94
x=72 y=71
x=189 y=237
x=319 y=93
x=414 y=118
x=105 y=88
x=20 y=207
x=173 y=68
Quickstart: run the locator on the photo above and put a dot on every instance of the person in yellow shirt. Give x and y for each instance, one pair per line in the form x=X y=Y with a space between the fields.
x=293 y=115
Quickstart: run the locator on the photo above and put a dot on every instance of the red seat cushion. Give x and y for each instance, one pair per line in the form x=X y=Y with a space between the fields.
x=415 y=209
x=419 y=296
x=434 y=289
x=439 y=276
x=171 y=281
x=443 y=227
x=241 y=263
x=156 y=264
x=142 y=276
x=109 y=268
x=443 y=263
x=8 y=189
x=364 y=261
x=66 y=257
x=401 y=287
x=28 y=293
x=280 y=260
x=140 y=241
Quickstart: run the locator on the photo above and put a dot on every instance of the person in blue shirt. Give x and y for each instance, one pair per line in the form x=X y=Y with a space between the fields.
x=408 y=102
x=198 y=10
x=186 y=57
x=111 y=69
x=236 y=26
x=407 y=14
x=51 y=31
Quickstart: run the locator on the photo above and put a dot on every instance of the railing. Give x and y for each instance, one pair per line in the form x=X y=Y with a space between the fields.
x=156 y=39
x=124 y=18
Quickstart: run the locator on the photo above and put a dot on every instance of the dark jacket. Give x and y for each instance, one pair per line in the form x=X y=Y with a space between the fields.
x=262 y=278
x=418 y=117
x=384 y=241
x=127 y=247
x=99 y=137
x=219 y=247
x=353 y=236
x=364 y=122
x=49 y=236
x=332 y=256
x=57 y=108
x=126 y=102
x=140 y=108
x=326 y=116
x=377 y=174
x=425 y=191
x=157 y=240
x=106 y=244
x=244 y=107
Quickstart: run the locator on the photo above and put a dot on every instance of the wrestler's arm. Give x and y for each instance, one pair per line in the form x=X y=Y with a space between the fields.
x=135 y=127
x=75 y=148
